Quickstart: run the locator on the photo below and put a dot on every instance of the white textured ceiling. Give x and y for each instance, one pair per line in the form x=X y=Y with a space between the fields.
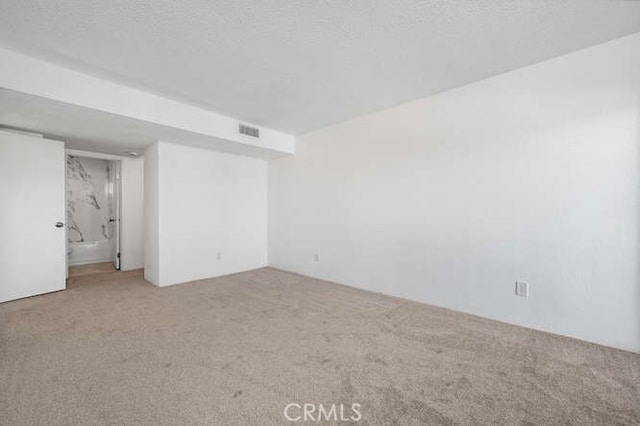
x=296 y=65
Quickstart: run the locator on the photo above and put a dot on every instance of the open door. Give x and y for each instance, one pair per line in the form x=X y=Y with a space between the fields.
x=117 y=194
x=32 y=216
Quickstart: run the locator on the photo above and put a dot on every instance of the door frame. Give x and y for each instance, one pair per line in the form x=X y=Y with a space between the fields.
x=117 y=195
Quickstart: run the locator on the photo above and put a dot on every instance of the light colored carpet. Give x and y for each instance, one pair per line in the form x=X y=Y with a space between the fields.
x=113 y=349
x=90 y=269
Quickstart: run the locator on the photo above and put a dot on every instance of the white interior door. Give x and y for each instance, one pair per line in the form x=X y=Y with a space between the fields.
x=117 y=211
x=32 y=216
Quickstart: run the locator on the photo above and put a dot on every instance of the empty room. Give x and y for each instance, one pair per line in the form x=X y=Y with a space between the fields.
x=319 y=212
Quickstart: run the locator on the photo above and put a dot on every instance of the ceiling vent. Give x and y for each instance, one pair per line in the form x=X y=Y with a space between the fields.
x=254 y=132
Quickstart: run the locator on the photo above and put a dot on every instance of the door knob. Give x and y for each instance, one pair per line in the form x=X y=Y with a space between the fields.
x=59 y=224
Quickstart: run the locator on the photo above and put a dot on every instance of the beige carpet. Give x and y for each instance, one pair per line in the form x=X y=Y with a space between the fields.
x=113 y=349
x=90 y=269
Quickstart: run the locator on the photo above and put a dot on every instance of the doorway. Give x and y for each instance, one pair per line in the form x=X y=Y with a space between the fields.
x=93 y=203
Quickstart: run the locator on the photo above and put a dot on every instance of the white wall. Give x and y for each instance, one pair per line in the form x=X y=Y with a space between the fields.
x=211 y=209
x=151 y=214
x=531 y=175
x=132 y=220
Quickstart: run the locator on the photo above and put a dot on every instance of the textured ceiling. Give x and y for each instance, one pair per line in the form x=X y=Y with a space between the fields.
x=296 y=65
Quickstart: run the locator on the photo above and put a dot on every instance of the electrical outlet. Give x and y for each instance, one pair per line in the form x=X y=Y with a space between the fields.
x=522 y=289
x=316 y=257
x=219 y=256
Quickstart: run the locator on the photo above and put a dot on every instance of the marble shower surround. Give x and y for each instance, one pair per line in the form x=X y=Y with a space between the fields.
x=90 y=199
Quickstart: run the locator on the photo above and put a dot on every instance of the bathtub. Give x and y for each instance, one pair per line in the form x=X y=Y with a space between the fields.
x=90 y=252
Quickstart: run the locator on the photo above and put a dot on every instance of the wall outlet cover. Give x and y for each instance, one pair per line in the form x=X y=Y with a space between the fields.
x=522 y=289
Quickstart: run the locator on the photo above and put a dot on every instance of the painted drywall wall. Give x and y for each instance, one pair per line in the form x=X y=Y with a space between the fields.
x=132 y=218
x=211 y=212
x=531 y=175
x=151 y=214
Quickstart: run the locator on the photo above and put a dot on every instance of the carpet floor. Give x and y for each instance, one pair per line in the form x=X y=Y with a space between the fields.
x=92 y=268
x=114 y=349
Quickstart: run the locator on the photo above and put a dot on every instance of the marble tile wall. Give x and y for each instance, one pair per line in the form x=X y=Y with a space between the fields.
x=90 y=199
